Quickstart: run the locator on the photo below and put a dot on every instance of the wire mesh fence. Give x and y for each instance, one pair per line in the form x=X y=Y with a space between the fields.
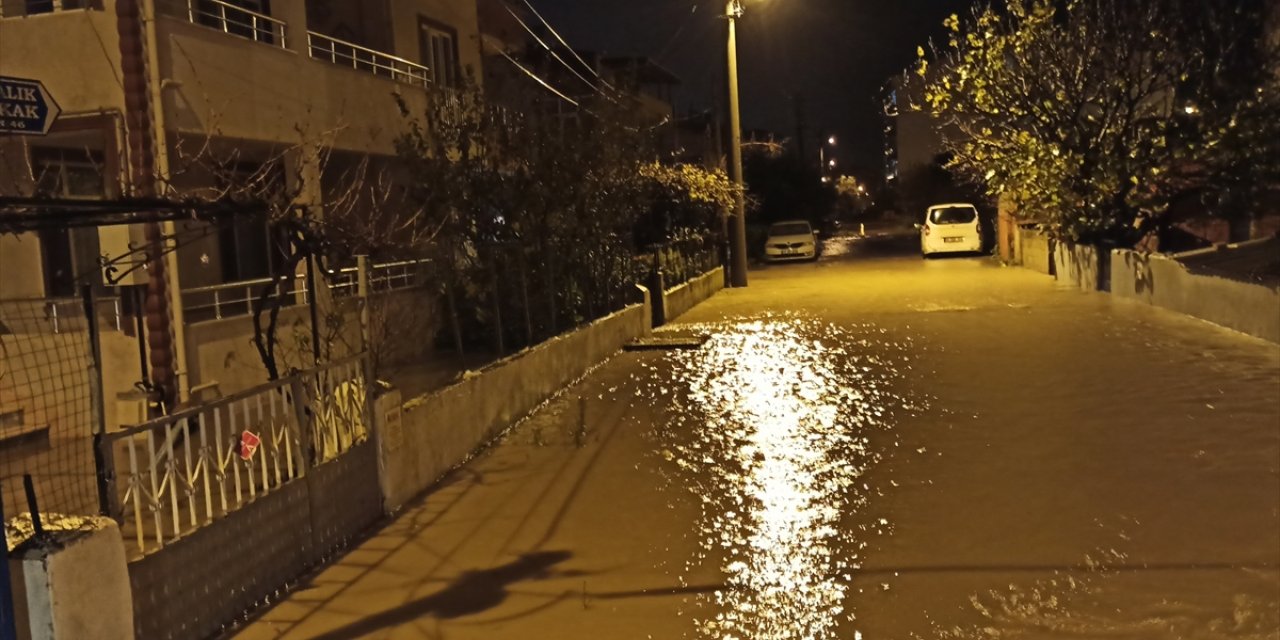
x=47 y=412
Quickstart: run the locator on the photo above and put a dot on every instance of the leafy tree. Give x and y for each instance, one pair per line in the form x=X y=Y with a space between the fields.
x=784 y=187
x=1096 y=116
x=543 y=221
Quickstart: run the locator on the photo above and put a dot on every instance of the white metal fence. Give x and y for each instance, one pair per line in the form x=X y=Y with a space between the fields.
x=350 y=54
x=180 y=472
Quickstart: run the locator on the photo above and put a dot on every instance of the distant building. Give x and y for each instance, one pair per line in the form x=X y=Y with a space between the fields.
x=912 y=135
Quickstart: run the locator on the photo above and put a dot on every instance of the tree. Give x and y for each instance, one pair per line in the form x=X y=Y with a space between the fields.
x=544 y=217
x=784 y=187
x=1095 y=116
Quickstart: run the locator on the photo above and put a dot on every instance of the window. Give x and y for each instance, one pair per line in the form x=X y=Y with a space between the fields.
x=250 y=247
x=954 y=215
x=69 y=256
x=439 y=52
x=49 y=6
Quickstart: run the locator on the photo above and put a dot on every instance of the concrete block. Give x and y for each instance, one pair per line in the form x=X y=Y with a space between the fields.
x=73 y=584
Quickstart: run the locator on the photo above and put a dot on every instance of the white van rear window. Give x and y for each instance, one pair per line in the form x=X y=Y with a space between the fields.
x=953 y=215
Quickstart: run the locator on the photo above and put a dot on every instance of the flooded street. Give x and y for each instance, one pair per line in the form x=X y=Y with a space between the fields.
x=870 y=446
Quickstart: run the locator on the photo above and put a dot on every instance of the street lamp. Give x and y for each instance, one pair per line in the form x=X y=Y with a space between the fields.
x=823 y=163
x=738 y=224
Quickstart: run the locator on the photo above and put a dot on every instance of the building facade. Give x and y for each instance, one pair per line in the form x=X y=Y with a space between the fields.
x=184 y=98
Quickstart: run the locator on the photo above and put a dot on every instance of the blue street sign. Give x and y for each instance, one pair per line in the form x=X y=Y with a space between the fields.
x=26 y=107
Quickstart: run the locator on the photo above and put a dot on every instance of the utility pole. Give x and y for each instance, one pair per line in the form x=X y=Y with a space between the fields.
x=738 y=226
x=797 y=103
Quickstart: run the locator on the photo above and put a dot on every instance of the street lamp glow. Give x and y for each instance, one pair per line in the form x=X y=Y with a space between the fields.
x=831 y=141
x=832 y=163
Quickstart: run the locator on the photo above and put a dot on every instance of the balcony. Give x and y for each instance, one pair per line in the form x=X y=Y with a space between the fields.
x=349 y=54
x=236 y=299
x=19 y=9
x=237 y=21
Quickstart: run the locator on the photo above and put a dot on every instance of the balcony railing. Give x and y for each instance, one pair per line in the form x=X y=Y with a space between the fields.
x=235 y=299
x=237 y=21
x=388 y=276
x=349 y=54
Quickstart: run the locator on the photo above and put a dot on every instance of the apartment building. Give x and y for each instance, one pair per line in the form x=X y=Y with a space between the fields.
x=152 y=95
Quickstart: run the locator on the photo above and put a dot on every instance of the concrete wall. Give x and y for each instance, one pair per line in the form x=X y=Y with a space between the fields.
x=461 y=16
x=1033 y=250
x=76 y=54
x=223 y=351
x=230 y=87
x=20 y=273
x=1163 y=282
x=1082 y=266
x=440 y=430
x=686 y=296
x=75 y=588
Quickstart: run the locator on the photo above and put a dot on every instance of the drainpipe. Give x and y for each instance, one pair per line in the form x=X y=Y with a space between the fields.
x=140 y=141
x=161 y=143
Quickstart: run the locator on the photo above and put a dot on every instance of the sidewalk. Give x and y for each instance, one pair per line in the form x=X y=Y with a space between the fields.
x=537 y=533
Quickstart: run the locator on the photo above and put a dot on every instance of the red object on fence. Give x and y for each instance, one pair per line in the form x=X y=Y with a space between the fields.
x=248 y=444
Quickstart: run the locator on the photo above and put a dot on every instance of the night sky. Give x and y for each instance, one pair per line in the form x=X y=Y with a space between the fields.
x=836 y=54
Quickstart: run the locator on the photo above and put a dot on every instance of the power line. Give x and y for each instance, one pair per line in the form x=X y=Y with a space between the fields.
x=594 y=86
x=566 y=45
x=538 y=79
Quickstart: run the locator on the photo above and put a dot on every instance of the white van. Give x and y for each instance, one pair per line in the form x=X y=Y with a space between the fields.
x=950 y=228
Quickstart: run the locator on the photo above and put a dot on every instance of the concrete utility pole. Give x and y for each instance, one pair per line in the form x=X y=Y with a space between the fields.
x=738 y=224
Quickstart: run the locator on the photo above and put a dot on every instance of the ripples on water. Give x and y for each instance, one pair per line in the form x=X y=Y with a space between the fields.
x=771 y=431
x=773 y=426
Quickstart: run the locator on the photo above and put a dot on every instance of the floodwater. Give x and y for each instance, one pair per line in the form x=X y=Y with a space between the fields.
x=872 y=446
x=993 y=461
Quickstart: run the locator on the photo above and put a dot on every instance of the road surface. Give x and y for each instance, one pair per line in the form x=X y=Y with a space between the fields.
x=871 y=446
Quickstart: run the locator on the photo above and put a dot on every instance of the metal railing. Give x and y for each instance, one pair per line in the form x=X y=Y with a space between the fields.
x=235 y=299
x=36 y=7
x=60 y=315
x=350 y=54
x=170 y=476
x=237 y=21
x=384 y=277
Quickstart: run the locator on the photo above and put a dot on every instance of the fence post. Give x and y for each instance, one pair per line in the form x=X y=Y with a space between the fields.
x=658 y=290
x=103 y=454
x=362 y=292
x=301 y=404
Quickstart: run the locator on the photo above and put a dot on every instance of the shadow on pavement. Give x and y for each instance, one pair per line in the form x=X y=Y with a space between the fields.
x=470 y=593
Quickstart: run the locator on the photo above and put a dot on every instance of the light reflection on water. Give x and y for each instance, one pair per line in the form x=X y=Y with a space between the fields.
x=776 y=425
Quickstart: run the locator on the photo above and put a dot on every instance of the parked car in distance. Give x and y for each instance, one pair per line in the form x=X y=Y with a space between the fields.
x=790 y=240
x=950 y=228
